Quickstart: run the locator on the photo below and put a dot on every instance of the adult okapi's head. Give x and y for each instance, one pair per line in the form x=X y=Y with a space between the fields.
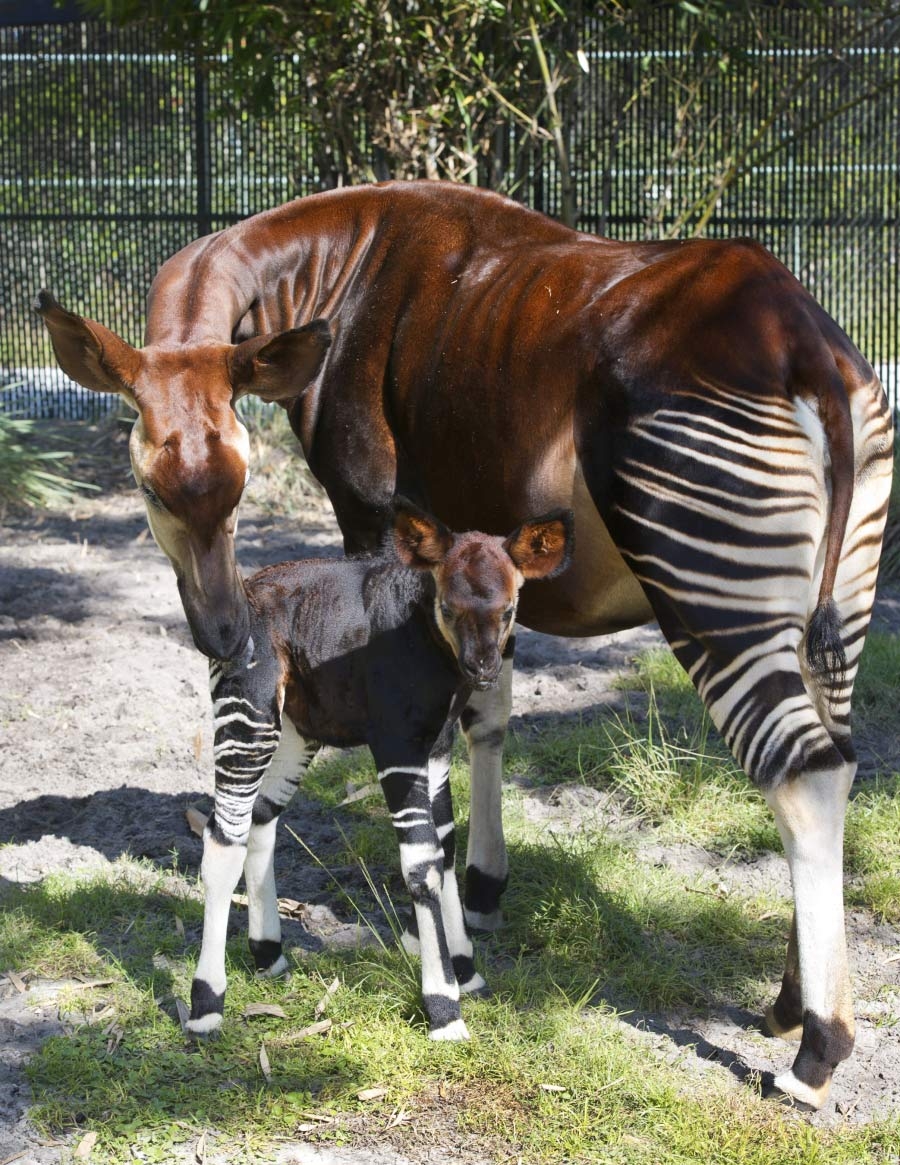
x=477 y=579
x=189 y=450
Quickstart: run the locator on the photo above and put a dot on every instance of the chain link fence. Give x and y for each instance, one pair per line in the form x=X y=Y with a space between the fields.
x=116 y=154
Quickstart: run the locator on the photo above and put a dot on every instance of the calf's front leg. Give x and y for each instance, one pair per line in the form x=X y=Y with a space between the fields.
x=406 y=790
x=484 y=720
x=458 y=940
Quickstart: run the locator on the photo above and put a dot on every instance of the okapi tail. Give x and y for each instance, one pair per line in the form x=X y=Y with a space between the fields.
x=825 y=654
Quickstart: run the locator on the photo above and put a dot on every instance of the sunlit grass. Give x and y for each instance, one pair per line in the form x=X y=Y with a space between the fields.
x=550 y=1074
x=597 y=936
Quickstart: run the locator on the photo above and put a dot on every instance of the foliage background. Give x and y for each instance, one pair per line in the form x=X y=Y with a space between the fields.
x=128 y=135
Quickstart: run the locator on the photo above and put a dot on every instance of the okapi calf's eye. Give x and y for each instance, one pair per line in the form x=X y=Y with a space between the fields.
x=427 y=620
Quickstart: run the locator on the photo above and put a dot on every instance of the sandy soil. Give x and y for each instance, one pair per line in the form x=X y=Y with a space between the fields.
x=105 y=740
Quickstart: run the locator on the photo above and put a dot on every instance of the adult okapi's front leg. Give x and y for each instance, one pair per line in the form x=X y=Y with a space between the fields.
x=406 y=790
x=246 y=737
x=484 y=721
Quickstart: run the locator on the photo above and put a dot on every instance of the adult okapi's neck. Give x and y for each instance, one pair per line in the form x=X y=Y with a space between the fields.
x=275 y=271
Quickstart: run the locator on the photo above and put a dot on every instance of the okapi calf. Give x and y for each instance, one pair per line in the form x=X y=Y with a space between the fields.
x=382 y=651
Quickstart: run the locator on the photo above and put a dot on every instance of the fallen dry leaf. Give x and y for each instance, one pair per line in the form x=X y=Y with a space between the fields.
x=198 y=745
x=196 y=819
x=85 y=1146
x=179 y=926
x=329 y=991
x=17 y=981
x=184 y=1013
x=360 y=794
x=252 y=1010
x=314 y=1029
x=17 y=1156
x=200 y=1151
x=553 y=1088
x=264 y=1066
x=114 y=1033
x=371 y=1093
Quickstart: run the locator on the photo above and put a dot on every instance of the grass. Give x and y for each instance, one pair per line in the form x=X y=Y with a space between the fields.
x=890 y=556
x=598 y=936
x=280 y=481
x=29 y=476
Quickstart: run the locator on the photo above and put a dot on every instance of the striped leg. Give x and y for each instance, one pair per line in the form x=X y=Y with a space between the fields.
x=246 y=738
x=484 y=722
x=458 y=941
x=279 y=785
x=407 y=792
x=726 y=528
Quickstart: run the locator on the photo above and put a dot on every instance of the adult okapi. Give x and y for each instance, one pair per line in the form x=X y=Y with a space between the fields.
x=725 y=449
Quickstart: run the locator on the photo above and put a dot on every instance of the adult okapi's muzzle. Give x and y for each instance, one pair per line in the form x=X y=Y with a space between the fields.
x=215 y=603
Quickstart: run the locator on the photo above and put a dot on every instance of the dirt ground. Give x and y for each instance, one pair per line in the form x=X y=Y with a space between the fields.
x=105 y=739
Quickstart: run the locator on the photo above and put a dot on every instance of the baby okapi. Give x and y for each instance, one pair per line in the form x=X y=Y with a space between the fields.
x=380 y=651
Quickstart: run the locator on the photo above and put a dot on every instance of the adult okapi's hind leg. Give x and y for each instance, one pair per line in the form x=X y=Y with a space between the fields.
x=736 y=515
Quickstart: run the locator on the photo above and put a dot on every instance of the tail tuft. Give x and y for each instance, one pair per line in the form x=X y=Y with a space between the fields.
x=825 y=655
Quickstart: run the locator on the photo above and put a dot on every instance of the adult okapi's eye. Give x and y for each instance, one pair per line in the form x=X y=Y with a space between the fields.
x=151 y=497
x=446 y=613
x=508 y=614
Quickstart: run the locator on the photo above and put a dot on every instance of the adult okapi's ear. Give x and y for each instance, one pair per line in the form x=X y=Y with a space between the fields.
x=421 y=540
x=278 y=367
x=542 y=548
x=91 y=354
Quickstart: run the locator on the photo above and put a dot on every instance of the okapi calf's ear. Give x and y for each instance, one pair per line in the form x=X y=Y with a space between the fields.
x=542 y=548
x=277 y=368
x=87 y=352
x=421 y=540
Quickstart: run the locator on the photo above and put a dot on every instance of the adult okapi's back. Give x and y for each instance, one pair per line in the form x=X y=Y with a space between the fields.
x=724 y=447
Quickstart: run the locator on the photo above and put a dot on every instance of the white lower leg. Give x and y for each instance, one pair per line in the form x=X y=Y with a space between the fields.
x=458 y=941
x=220 y=870
x=486 y=859
x=810 y=812
x=440 y=990
x=264 y=924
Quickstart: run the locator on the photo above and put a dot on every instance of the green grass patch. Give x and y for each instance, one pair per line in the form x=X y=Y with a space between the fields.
x=551 y=1073
x=597 y=934
x=875 y=690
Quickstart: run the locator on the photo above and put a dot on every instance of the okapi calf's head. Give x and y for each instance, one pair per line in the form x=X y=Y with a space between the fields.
x=189 y=449
x=477 y=578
